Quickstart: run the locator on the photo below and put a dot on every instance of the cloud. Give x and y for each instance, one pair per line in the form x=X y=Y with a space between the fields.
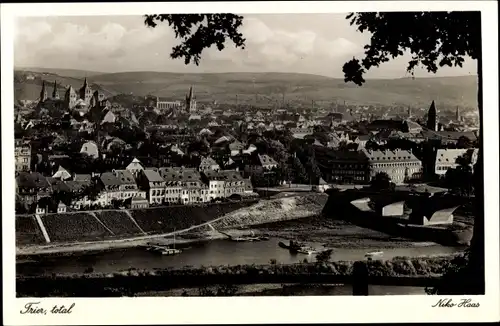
x=275 y=48
x=307 y=43
x=110 y=40
x=30 y=33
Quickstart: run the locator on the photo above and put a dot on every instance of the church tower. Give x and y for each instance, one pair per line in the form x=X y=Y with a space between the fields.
x=43 y=93
x=70 y=98
x=457 y=115
x=190 y=101
x=409 y=112
x=86 y=92
x=432 y=117
x=55 y=93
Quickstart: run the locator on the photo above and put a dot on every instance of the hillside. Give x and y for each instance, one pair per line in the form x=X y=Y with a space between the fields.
x=268 y=88
x=29 y=89
x=73 y=73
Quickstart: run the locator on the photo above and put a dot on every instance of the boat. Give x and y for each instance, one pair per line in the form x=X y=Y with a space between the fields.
x=164 y=250
x=307 y=250
x=294 y=246
x=374 y=254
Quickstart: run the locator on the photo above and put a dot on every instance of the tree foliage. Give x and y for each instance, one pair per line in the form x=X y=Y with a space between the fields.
x=199 y=32
x=382 y=181
x=433 y=39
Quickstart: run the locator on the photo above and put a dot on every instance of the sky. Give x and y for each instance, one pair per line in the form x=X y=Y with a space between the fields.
x=299 y=43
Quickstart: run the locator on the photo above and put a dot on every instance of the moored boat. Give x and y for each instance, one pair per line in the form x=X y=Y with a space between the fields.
x=374 y=254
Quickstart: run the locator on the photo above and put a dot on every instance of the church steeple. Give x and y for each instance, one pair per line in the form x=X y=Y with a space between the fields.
x=432 y=117
x=55 y=93
x=457 y=115
x=43 y=93
x=190 y=100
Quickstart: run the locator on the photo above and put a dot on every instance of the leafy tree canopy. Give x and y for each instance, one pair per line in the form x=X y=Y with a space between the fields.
x=199 y=32
x=433 y=39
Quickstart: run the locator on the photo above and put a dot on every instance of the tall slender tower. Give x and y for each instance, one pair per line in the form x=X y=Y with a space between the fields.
x=70 y=97
x=43 y=93
x=432 y=117
x=457 y=115
x=55 y=93
x=190 y=101
x=409 y=112
x=86 y=92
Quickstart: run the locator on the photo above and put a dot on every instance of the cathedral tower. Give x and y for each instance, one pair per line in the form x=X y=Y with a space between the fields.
x=70 y=97
x=55 y=93
x=432 y=117
x=86 y=92
x=43 y=93
x=190 y=101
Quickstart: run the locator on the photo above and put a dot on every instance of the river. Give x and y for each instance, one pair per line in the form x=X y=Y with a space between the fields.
x=217 y=252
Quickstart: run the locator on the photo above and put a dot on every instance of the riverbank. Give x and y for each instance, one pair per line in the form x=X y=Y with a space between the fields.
x=398 y=271
x=263 y=211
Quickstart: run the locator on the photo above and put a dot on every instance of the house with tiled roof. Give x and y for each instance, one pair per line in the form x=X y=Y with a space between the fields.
x=127 y=184
x=151 y=181
x=447 y=159
x=31 y=187
x=208 y=163
x=109 y=117
x=111 y=189
x=343 y=167
x=58 y=185
x=400 y=165
x=90 y=148
x=267 y=162
x=135 y=167
x=62 y=174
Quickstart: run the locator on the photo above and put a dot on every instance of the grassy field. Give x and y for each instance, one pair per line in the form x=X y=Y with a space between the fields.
x=267 y=89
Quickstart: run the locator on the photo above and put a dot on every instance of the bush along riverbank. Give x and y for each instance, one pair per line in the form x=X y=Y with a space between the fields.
x=398 y=271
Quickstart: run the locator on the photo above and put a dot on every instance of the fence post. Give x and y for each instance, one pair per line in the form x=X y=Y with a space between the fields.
x=360 y=279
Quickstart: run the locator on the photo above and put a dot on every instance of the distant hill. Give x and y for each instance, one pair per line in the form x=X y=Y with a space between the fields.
x=74 y=73
x=268 y=88
x=26 y=88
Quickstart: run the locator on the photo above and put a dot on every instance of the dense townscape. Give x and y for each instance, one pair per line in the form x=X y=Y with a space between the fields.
x=81 y=150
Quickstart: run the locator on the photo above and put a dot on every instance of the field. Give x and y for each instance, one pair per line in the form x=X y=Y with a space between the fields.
x=28 y=231
x=83 y=226
x=119 y=223
x=74 y=227
x=298 y=88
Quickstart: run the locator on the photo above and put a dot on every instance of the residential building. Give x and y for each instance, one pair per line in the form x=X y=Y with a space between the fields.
x=173 y=184
x=447 y=159
x=216 y=184
x=31 y=187
x=400 y=165
x=135 y=167
x=90 y=148
x=127 y=185
x=208 y=164
x=343 y=167
x=111 y=189
x=154 y=185
x=267 y=162
x=22 y=154
x=233 y=183
x=62 y=174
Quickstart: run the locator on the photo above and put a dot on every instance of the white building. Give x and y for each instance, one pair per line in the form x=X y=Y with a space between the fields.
x=447 y=159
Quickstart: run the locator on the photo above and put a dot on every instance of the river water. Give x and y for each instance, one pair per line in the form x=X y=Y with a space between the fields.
x=217 y=252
